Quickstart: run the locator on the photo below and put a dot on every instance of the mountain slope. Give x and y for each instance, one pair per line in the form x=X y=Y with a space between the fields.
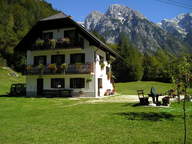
x=147 y=36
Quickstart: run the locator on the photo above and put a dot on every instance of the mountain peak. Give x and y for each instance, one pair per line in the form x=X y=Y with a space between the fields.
x=117 y=10
x=144 y=34
x=92 y=19
x=117 y=6
x=179 y=26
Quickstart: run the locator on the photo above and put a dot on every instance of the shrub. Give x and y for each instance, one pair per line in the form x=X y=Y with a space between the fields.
x=39 y=42
x=88 y=79
x=52 y=43
x=102 y=65
x=52 y=66
x=64 y=66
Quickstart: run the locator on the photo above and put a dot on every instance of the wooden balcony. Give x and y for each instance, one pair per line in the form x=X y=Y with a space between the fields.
x=57 y=44
x=71 y=69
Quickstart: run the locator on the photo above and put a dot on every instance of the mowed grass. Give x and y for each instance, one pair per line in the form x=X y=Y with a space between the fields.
x=130 y=88
x=8 y=77
x=65 y=121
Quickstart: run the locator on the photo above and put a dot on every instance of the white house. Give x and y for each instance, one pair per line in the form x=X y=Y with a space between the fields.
x=64 y=57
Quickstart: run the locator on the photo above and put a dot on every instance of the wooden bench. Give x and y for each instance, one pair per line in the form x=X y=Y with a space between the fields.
x=57 y=92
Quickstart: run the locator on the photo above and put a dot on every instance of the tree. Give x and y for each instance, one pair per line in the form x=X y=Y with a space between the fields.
x=182 y=77
x=131 y=68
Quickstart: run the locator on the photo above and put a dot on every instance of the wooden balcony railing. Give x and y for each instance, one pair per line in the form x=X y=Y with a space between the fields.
x=71 y=69
x=64 y=43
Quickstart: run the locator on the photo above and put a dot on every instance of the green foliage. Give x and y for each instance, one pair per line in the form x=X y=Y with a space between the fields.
x=137 y=66
x=64 y=66
x=52 y=43
x=3 y=62
x=39 y=42
x=131 y=68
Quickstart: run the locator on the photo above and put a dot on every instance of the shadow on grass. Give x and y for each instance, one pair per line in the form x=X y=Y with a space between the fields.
x=8 y=96
x=134 y=104
x=150 y=116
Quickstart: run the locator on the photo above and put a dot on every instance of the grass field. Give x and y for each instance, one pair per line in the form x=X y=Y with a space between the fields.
x=7 y=77
x=65 y=121
x=131 y=88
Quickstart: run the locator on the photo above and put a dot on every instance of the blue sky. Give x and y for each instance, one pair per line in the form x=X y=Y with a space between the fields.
x=152 y=9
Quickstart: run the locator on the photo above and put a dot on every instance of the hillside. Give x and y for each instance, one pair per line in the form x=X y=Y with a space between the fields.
x=16 y=19
x=145 y=35
x=8 y=77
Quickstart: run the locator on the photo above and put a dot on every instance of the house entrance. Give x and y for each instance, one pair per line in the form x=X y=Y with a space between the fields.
x=100 y=85
x=39 y=86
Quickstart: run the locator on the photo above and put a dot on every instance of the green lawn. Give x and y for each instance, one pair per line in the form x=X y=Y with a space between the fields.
x=7 y=77
x=65 y=121
x=130 y=88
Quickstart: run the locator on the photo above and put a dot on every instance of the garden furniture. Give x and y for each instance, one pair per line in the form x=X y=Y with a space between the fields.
x=142 y=98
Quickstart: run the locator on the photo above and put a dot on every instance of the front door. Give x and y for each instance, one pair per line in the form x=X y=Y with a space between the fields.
x=39 y=86
x=100 y=85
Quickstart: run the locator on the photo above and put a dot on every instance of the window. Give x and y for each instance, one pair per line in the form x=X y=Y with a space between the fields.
x=57 y=83
x=77 y=83
x=69 y=34
x=47 y=35
x=77 y=58
x=40 y=60
x=58 y=59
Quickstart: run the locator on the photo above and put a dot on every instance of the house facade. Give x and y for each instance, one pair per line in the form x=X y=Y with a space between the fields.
x=62 y=55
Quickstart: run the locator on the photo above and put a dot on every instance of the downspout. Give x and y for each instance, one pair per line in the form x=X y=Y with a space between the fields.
x=95 y=60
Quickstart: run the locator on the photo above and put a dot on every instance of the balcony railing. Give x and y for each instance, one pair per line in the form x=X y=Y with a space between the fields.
x=71 y=69
x=64 y=43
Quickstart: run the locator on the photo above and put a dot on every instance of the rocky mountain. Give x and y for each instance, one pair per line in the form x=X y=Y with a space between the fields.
x=146 y=35
x=180 y=26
